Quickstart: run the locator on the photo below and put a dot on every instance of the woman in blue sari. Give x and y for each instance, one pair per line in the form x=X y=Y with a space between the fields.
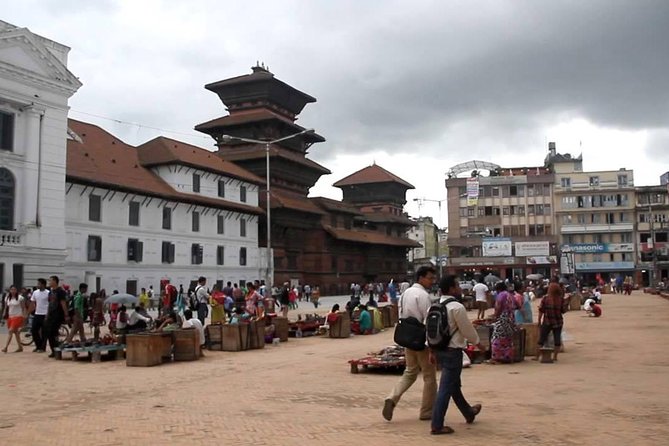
x=522 y=314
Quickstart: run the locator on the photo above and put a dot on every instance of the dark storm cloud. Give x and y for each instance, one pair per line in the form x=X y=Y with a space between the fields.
x=459 y=78
x=500 y=70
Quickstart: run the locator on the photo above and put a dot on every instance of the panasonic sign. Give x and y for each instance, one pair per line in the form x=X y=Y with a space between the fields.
x=585 y=248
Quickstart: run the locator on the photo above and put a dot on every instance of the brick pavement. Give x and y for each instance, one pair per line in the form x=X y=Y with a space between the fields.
x=301 y=392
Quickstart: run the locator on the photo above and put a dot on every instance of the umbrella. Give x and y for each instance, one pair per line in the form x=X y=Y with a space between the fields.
x=564 y=281
x=122 y=298
x=466 y=286
x=491 y=279
x=534 y=276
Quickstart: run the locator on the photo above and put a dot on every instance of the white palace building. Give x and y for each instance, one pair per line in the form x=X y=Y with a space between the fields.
x=77 y=202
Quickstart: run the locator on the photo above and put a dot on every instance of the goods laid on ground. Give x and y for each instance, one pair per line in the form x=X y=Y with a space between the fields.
x=148 y=349
x=305 y=327
x=340 y=327
x=388 y=359
x=94 y=352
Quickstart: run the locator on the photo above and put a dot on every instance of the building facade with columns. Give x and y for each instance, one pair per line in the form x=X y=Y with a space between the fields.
x=35 y=86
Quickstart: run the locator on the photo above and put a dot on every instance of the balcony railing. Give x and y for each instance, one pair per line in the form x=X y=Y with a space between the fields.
x=11 y=238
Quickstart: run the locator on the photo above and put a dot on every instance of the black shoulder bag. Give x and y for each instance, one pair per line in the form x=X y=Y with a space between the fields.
x=410 y=332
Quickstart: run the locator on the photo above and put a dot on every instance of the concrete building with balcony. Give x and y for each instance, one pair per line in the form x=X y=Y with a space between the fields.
x=426 y=233
x=595 y=216
x=652 y=234
x=501 y=223
x=35 y=86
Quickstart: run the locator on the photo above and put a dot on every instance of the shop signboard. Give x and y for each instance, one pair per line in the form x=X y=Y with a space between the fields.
x=472 y=191
x=541 y=260
x=525 y=249
x=496 y=247
x=598 y=248
x=604 y=266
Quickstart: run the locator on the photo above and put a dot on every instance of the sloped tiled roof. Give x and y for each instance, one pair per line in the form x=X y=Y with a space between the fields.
x=335 y=206
x=242 y=117
x=370 y=237
x=294 y=201
x=98 y=158
x=162 y=150
x=259 y=152
x=255 y=115
x=371 y=174
x=382 y=217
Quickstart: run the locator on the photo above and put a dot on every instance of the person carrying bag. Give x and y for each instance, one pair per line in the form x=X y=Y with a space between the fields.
x=410 y=333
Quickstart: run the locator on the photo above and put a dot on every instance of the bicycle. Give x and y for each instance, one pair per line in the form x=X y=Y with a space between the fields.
x=27 y=337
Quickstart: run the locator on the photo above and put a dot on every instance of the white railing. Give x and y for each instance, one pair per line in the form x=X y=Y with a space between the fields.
x=11 y=238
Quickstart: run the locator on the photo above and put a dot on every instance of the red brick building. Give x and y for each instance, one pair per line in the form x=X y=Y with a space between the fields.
x=315 y=240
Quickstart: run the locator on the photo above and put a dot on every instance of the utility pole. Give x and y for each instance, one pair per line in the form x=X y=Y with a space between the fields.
x=653 y=251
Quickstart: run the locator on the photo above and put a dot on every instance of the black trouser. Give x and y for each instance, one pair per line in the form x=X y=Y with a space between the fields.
x=202 y=311
x=545 y=330
x=139 y=326
x=51 y=328
x=37 y=332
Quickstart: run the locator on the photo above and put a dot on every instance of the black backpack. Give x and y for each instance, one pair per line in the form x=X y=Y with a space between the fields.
x=437 y=331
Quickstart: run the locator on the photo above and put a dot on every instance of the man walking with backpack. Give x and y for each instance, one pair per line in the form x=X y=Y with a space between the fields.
x=415 y=302
x=448 y=329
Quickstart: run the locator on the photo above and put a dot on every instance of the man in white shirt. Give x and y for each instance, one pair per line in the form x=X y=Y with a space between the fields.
x=416 y=302
x=481 y=292
x=202 y=298
x=39 y=303
x=139 y=319
x=192 y=322
x=450 y=359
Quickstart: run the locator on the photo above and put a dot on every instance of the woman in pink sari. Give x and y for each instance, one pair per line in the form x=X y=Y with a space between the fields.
x=501 y=345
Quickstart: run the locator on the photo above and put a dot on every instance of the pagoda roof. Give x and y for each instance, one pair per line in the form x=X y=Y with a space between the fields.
x=260 y=84
x=370 y=237
x=369 y=175
x=274 y=151
x=244 y=117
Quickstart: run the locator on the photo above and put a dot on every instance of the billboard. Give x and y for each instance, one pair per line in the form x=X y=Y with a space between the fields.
x=496 y=247
x=524 y=249
x=598 y=248
x=472 y=191
x=541 y=260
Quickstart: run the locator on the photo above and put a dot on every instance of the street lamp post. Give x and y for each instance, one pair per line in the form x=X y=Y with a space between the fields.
x=227 y=138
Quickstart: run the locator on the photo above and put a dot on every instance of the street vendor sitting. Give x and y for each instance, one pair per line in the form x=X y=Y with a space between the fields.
x=139 y=319
x=366 y=326
x=169 y=322
x=270 y=329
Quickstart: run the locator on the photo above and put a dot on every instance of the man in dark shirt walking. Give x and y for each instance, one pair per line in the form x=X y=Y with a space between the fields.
x=57 y=313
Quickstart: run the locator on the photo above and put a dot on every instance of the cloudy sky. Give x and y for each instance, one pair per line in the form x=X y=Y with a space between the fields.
x=416 y=87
